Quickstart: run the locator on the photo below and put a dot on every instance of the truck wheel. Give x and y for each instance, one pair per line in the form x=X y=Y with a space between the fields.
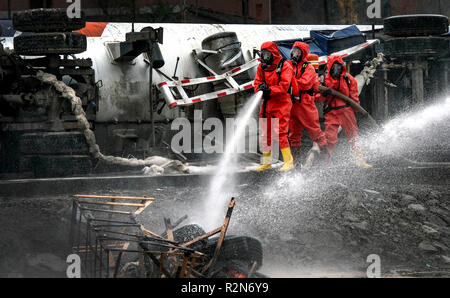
x=50 y=43
x=416 y=46
x=416 y=25
x=230 y=46
x=46 y=20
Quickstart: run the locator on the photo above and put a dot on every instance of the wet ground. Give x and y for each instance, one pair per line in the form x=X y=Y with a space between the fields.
x=319 y=224
x=329 y=229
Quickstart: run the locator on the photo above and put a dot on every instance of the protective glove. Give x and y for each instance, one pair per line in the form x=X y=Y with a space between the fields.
x=266 y=91
x=263 y=87
x=266 y=94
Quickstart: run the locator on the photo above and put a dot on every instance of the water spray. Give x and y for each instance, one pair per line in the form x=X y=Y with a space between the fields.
x=422 y=116
x=393 y=130
x=222 y=184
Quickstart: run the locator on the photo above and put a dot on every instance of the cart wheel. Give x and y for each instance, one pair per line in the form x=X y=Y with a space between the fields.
x=46 y=20
x=242 y=248
x=188 y=233
x=50 y=43
x=416 y=25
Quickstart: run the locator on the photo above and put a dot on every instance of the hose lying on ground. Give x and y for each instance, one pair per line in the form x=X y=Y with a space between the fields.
x=157 y=163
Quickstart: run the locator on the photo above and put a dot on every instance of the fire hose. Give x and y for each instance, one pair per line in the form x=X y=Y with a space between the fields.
x=356 y=106
x=349 y=101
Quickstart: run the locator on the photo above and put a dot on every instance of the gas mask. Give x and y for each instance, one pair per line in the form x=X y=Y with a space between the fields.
x=336 y=70
x=296 y=55
x=266 y=58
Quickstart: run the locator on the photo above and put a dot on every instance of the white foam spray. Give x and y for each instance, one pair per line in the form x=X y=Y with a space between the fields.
x=223 y=186
x=409 y=130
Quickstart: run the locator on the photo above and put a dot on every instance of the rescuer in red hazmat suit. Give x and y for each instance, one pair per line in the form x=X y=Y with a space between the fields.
x=304 y=114
x=336 y=111
x=273 y=78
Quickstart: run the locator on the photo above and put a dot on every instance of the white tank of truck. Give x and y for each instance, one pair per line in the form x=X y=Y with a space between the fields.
x=124 y=96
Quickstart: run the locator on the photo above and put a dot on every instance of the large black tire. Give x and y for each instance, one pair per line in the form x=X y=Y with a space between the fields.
x=416 y=25
x=50 y=43
x=416 y=46
x=241 y=248
x=46 y=20
x=180 y=235
x=229 y=43
x=188 y=233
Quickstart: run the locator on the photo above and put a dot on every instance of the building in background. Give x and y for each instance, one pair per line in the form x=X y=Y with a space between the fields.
x=349 y=11
x=235 y=11
x=190 y=11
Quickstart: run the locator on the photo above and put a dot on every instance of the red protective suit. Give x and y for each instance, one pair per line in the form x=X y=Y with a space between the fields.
x=304 y=114
x=337 y=112
x=279 y=105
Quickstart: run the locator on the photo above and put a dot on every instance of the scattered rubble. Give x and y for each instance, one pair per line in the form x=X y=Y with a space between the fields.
x=325 y=229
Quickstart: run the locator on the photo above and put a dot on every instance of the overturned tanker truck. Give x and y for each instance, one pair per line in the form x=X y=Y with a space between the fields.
x=80 y=98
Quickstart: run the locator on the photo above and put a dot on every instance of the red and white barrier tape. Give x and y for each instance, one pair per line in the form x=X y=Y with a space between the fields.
x=164 y=87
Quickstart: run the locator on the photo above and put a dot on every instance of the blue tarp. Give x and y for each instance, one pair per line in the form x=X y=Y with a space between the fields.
x=335 y=41
x=448 y=33
x=7 y=28
x=324 y=43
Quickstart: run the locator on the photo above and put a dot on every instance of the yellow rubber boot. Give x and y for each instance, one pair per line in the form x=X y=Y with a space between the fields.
x=288 y=160
x=360 y=160
x=266 y=162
